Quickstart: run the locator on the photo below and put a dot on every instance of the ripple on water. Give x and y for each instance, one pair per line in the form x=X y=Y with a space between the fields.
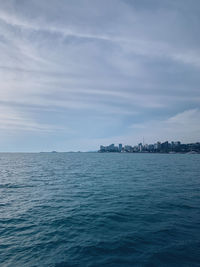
x=90 y=209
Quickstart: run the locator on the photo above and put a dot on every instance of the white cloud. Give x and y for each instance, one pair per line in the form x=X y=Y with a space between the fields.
x=188 y=117
x=183 y=126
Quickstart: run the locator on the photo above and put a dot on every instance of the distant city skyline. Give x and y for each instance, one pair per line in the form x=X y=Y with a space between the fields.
x=76 y=74
x=158 y=147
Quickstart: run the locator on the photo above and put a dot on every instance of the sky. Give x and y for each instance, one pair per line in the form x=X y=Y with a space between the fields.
x=75 y=75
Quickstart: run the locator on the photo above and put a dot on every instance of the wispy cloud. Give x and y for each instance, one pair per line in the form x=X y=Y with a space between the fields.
x=10 y=120
x=140 y=46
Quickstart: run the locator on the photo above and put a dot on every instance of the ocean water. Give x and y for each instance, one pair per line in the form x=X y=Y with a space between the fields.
x=91 y=209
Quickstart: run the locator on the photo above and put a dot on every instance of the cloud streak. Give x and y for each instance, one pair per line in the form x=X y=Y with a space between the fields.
x=17 y=122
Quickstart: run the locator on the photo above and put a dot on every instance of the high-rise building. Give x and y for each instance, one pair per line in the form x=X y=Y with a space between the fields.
x=140 y=147
x=120 y=147
x=112 y=146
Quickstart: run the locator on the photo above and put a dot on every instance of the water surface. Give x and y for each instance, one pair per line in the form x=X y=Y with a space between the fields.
x=91 y=209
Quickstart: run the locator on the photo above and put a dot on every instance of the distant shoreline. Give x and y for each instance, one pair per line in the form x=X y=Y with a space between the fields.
x=97 y=152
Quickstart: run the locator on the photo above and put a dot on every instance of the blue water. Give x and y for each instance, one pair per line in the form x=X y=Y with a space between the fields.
x=91 y=209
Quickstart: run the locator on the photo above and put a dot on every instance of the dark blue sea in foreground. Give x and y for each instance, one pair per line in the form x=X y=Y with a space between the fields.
x=91 y=209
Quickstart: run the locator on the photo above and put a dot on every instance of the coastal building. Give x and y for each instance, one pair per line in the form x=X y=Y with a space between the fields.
x=120 y=147
x=140 y=147
x=128 y=148
x=165 y=147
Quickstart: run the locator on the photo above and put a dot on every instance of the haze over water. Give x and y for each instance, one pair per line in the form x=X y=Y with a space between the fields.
x=91 y=209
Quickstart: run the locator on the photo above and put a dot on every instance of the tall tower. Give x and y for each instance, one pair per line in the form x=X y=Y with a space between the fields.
x=120 y=147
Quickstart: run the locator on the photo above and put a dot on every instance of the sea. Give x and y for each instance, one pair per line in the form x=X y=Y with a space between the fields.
x=99 y=209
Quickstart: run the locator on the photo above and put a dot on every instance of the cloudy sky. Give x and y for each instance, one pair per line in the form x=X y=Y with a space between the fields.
x=77 y=74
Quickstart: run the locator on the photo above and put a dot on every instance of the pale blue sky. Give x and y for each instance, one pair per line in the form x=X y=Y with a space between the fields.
x=77 y=74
